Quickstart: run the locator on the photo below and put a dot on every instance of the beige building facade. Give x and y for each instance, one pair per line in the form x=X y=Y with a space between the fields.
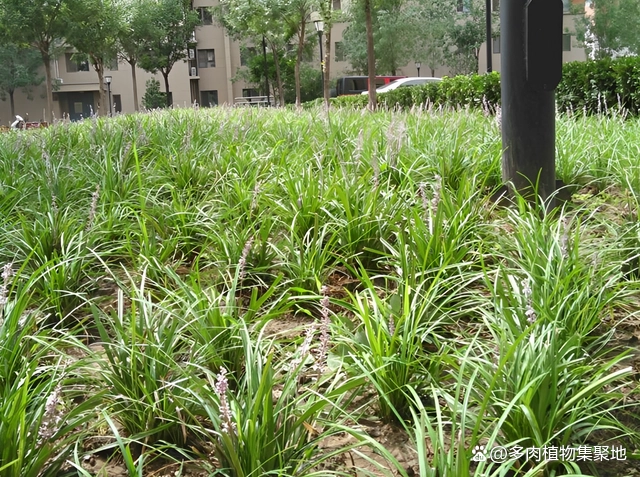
x=207 y=77
x=571 y=50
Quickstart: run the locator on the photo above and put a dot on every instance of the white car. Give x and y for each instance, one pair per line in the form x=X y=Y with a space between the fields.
x=403 y=82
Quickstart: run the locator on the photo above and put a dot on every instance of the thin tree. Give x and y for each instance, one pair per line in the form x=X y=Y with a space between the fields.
x=130 y=37
x=244 y=19
x=296 y=15
x=19 y=70
x=328 y=17
x=168 y=25
x=371 y=55
x=40 y=24
x=93 y=31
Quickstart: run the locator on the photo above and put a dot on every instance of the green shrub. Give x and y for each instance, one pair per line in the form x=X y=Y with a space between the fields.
x=475 y=91
x=596 y=87
x=154 y=98
x=590 y=87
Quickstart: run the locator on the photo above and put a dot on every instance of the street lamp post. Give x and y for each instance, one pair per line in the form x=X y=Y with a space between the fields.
x=488 y=32
x=107 y=80
x=320 y=28
x=266 y=69
x=418 y=65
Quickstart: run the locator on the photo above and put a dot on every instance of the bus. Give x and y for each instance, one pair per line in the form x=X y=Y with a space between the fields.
x=358 y=84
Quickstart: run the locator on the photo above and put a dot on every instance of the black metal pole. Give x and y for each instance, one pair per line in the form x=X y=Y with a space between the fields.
x=530 y=42
x=489 y=39
x=321 y=57
x=266 y=69
x=109 y=94
x=418 y=72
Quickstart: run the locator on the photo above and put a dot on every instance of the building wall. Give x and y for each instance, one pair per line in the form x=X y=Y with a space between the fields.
x=576 y=52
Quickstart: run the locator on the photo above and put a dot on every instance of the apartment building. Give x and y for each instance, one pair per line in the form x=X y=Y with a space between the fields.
x=207 y=77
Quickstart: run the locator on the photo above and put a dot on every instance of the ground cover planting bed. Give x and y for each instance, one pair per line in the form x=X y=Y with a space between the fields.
x=267 y=292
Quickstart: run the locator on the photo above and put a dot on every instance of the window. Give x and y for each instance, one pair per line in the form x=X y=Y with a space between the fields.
x=566 y=42
x=205 y=16
x=113 y=65
x=117 y=103
x=246 y=54
x=495 y=5
x=246 y=93
x=206 y=59
x=410 y=83
x=73 y=65
x=339 y=51
x=337 y=5
x=209 y=98
x=495 y=45
x=463 y=6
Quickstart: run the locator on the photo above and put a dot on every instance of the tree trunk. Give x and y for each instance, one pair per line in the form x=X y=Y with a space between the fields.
x=165 y=75
x=135 y=85
x=103 y=110
x=433 y=73
x=298 y=63
x=276 y=60
x=371 y=57
x=13 y=108
x=46 y=59
x=327 y=66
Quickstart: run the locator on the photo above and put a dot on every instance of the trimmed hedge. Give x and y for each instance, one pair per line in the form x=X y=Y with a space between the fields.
x=591 y=87
x=597 y=87
x=475 y=91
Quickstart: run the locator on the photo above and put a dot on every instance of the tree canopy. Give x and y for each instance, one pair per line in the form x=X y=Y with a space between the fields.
x=439 y=33
x=20 y=67
x=610 y=28
x=40 y=24
x=93 y=31
x=166 y=27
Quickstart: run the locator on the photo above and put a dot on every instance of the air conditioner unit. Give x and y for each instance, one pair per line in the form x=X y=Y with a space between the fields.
x=192 y=53
x=194 y=71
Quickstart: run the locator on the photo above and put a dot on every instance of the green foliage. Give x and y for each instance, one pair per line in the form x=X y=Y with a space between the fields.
x=140 y=371
x=93 y=30
x=153 y=98
x=38 y=24
x=395 y=26
x=264 y=421
x=600 y=86
x=44 y=401
x=604 y=86
x=408 y=30
x=166 y=26
x=473 y=91
x=611 y=28
x=206 y=245
x=20 y=70
x=388 y=340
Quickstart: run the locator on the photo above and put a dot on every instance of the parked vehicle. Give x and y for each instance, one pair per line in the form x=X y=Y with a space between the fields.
x=405 y=82
x=358 y=84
